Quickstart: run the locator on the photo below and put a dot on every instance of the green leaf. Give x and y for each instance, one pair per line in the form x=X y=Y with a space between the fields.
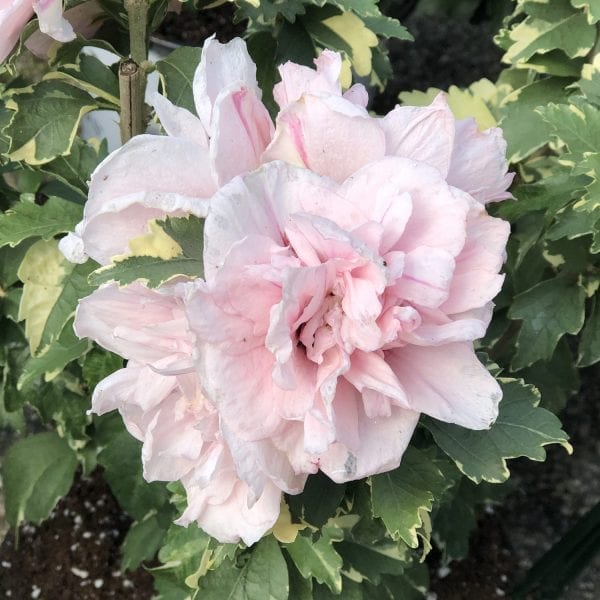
x=387 y=27
x=318 y=501
x=262 y=47
x=36 y=472
x=455 y=520
x=268 y=11
x=153 y=271
x=400 y=496
x=177 y=75
x=372 y=560
x=10 y=260
x=187 y=232
x=42 y=272
x=26 y=220
x=63 y=409
x=264 y=576
x=183 y=544
x=121 y=459
x=589 y=343
x=5 y=119
x=524 y=130
x=46 y=121
x=557 y=379
x=74 y=287
x=549 y=195
x=548 y=310
x=589 y=83
x=578 y=126
x=575 y=221
x=142 y=542
x=591 y=7
x=54 y=358
x=74 y=169
x=569 y=33
x=318 y=559
x=521 y=429
x=99 y=364
x=90 y=74
x=295 y=43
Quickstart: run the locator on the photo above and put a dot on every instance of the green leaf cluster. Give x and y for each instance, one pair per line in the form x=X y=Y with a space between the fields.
x=298 y=30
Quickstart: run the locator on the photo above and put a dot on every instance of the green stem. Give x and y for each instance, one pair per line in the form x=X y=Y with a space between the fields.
x=132 y=77
x=137 y=10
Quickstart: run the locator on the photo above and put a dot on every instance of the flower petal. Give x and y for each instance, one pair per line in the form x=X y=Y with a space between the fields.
x=52 y=23
x=242 y=129
x=422 y=134
x=221 y=66
x=447 y=383
x=479 y=164
x=330 y=136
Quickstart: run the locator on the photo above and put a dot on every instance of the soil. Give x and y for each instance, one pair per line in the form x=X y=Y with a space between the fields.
x=74 y=555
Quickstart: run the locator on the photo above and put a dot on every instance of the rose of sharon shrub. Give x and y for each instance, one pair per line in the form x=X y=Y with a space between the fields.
x=345 y=282
x=14 y=15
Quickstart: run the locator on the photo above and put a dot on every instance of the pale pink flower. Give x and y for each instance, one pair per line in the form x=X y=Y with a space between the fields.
x=333 y=314
x=344 y=287
x=158 y=396
x=333 y=134
x=14 y=15
x=153 y=175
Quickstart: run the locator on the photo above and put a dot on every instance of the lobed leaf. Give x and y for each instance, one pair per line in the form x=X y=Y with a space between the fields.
x=400 y=496
x=548 y=311
x=263 y=576
x=120 y=458
x=25 y=220
x=319 y=559
x=46 y=120
x=142 y=542
x=521 y=429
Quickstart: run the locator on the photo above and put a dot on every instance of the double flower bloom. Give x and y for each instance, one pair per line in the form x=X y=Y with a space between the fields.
x=349 y=264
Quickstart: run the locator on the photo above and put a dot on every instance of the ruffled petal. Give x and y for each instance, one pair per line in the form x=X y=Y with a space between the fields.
x=382 y=444
x=124 y=194
x=422 y=134
x=476 y=278
x=352 y=138
x=479 y=164
x=179 y=122
x=135 y=322
x=447 y=383
x=242 y=129
x=221 y=66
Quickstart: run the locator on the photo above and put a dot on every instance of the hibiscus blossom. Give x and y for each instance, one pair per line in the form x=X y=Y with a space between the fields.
x=334 y=314
x=349 y=266
x=14 y=15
